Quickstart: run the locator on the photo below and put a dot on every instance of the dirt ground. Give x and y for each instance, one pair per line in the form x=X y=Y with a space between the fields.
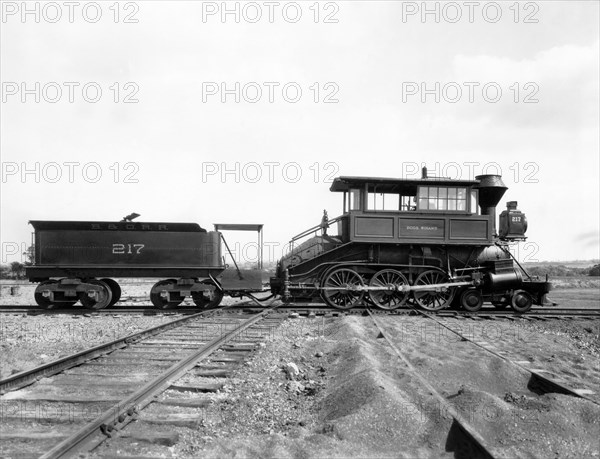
x=28 y=341
x=352 y=396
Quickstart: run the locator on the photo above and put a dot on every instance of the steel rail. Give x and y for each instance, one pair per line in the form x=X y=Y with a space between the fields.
x=24 y=378
x=475 y=437
x=509 y=313
x=126 y=411
x=316 y=307
x=536 y=373
x=149 y=310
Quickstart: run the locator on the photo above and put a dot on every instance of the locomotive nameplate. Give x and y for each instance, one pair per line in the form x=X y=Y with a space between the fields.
x=421 y=228
x=368 y=226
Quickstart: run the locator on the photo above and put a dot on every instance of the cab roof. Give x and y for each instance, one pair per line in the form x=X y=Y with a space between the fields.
x=395 y=185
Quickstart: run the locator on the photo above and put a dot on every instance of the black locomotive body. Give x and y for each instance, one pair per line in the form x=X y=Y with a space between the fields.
x=430 y=241
x=79 y=261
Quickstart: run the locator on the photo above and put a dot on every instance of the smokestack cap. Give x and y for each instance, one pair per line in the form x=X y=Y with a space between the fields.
x=491 y=189
x=490 y=180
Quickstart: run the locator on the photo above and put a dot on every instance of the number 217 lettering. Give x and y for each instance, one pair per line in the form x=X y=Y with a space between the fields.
x=122 y=249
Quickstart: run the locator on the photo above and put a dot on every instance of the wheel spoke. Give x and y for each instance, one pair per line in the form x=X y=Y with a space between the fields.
x=430 y=299
x=390 y=298
x=340 y=288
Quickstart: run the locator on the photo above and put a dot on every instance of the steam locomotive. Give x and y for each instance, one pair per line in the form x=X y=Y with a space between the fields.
x=430 y=242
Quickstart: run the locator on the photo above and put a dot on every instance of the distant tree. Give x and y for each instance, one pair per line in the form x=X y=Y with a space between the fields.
x=17 y=270
x=5 y=272
x=595 y=270
x=30 y=254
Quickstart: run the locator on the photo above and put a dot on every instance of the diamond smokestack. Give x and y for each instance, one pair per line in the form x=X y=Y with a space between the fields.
x=491 y=189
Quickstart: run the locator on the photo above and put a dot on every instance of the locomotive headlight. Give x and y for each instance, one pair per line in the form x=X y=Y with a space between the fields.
x=513 y=223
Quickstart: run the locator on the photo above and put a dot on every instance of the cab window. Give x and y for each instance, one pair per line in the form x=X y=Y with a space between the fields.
x=383 y=201
x=474 y=202
x=442 y=198
x=354 y=200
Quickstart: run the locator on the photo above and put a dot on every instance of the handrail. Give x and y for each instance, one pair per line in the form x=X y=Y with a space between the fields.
x=504 y=249
x=314 y=228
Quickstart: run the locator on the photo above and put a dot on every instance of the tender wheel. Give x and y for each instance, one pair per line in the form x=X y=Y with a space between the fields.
x=115 y=288
x=521 y=301
x=103 y=298
x=41 y=300
x=204 y=302
x=433 y=300
x=391 y=298
x=341 y=288
x=161 y=302
x=471 y=300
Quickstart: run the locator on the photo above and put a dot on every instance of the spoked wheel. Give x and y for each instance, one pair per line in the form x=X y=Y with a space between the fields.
x=521 y=301
x=471 y=300
x=161 y=302
x=115 y=288
x=203 y=301
x=390 y=298
x=437 y=298
x=342 y=288
x=40 y=299
x=101 y=300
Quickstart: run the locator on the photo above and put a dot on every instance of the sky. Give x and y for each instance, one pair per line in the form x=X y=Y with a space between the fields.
x=243 y=112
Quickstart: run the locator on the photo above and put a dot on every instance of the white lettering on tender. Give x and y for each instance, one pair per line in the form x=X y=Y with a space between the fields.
x=122 y=249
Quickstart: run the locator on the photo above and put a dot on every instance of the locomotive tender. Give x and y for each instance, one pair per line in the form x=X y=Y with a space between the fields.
x=86 y=256
x=430 y=242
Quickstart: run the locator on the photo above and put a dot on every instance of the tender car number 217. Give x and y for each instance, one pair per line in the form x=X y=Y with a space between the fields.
x=123 y=249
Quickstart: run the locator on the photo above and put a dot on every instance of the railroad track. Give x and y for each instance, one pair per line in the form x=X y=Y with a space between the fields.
x=73 y=404
x=314 y=308
x=465 y=437
x=542 y=380
x=116 y=310
x=470 y=440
